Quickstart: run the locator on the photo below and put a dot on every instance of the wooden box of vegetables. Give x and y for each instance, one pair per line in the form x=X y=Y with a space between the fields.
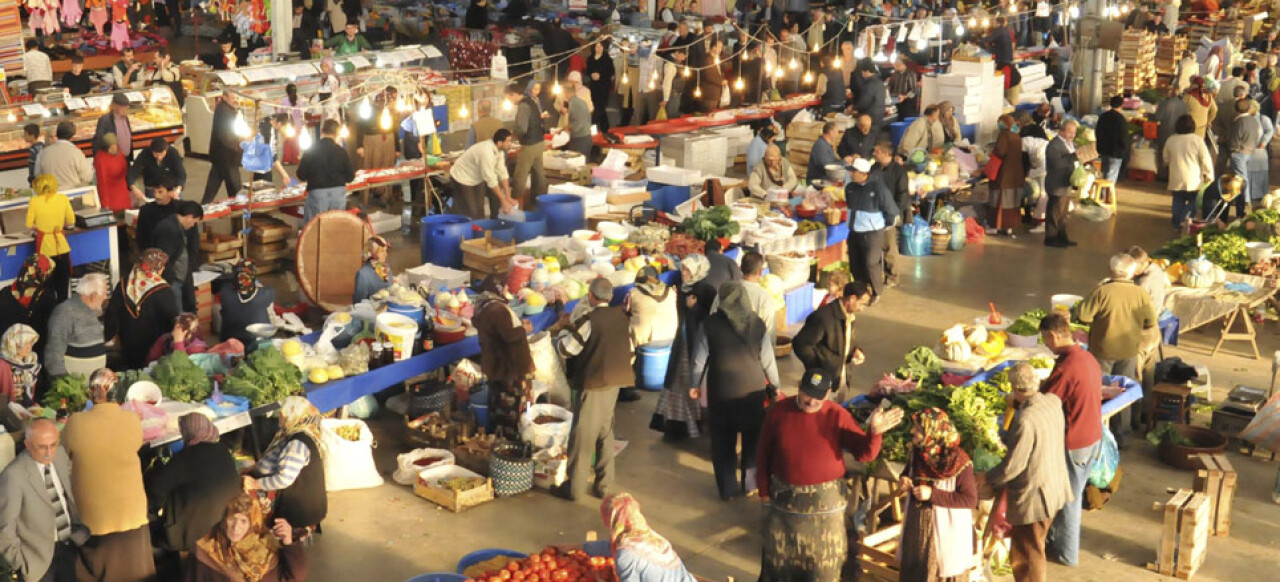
x=452 y=487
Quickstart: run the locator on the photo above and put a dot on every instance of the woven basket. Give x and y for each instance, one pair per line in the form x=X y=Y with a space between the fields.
x=428 y=397
x=793 y=272
x=511 y=469
x=940 y=242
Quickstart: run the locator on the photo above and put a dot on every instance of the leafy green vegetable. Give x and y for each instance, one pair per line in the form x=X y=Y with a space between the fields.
x=710 y=224
x=1041 y=362
x=1228 y=251
x=1263 y=215
x=1168 y=432
x=921 y=364
x=74 y=388
x=264 y=377
x=1023 y=327
x=181 y=379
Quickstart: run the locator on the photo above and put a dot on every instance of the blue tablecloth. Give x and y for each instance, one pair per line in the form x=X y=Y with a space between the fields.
x=339 y=393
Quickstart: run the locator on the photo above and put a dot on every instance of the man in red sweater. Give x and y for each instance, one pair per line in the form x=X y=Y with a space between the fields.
x=1077 y=381
x=800 y=467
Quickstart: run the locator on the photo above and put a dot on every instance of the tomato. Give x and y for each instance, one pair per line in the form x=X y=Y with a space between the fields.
x=534 y=559
x=513 y=566
x=560 y=576
x=550 y=551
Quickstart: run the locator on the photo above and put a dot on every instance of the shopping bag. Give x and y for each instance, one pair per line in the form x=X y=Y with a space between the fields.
x=992 y=170
x=1104 y=469
x=974 y=233
x=662 y=114
x=257 y=155
x=1079 y=176
x=348 y=464
x=1264 y=429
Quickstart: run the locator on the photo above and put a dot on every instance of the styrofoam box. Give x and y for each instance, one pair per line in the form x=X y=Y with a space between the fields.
x=982 y=68
x=958 y=81
x=383 y=222
x=621 y=186
x=1031 y=68
x=435 y=277
x=556 y=160
x=673 y=176
x=589 y=196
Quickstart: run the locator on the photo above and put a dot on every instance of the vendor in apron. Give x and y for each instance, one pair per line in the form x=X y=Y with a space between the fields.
x=47 y=214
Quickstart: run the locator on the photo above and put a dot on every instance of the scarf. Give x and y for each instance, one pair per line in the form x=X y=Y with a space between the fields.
x=249 y=559
x=102 y=384
x=938 y=456
x=25 y=369
x=628 y=528
x=736 y=306
x=778 y=178
x=381 y=268
x=146 y=276
x=246 y=279
x=196 y=428
x=28 y=286
x=297 y=416
x=649 y=284
x=695 y=268
x=1198 y=91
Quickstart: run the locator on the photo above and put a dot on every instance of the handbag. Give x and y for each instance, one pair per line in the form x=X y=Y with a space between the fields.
x=992 y=170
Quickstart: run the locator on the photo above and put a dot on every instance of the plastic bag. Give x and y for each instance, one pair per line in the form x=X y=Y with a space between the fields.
x=1078 y=176
x=549 y=369
x=1093 y=213
x=1104 y=469
x=349 y=464
x=973 y=232
x=550 y=434
x=662 y=114
x=257 y=156
x=407 y=467
x=1264 y=429
x=916 y=238
x=154 y=419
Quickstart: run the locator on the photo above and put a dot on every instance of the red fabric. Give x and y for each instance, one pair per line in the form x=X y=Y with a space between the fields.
x=1077 y=381
x=992 y=169
x=578 y=63
x=7 y=389
x=807 y=449
x=974 y=234
x=113 y=187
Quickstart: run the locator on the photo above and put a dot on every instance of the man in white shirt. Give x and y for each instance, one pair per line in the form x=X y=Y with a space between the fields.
x=480 y=174
x=64 y=160
x=36 y=65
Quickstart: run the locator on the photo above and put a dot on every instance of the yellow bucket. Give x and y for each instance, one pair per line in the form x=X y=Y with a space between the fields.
x=400 y=331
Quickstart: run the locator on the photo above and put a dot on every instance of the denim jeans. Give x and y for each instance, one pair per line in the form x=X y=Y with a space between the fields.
x=1111 y=169
x=1184 y=206
x=1239 y=164
x=1062 y=545
x=323 y=200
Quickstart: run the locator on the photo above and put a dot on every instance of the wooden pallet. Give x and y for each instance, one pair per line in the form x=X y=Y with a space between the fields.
x=1217 y=480
x=878 y=554
x=227 y=255
x=1184 y=541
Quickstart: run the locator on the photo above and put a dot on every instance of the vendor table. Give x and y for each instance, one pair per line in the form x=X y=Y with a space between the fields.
x=87 y=246
x=1196 y=308
x=224 y=425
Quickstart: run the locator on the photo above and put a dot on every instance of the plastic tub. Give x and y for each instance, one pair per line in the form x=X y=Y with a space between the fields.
x=442 y=236
x=1259 y=251
x=564 y=213
x=413 y=312
x=478 y=556
x=1023 y=341
x=501 y=229
x=400 y=331
x=438 y=577
x=653 y=365
x=533 y=226
x=614 y=234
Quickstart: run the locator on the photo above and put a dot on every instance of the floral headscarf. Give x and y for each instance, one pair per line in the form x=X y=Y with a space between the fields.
x=25 y=369
x=29 y=285
x=297 y=416
x=146 y=276
x=382 y=269
x=249 y=559
x=939 y=455
x=245 y=275
x=648 y=282
x=693 y=268
x=102 y=385
x=628 y=528
x=196 y=428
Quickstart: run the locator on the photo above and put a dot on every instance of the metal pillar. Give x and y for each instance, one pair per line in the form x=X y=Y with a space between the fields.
x=1089 y=63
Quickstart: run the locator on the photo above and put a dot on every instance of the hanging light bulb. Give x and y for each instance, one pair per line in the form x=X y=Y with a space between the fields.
x=746 y=56
x=555 y=89
x=697 y=92
x=12 y=118
x=506 y=105
x=385 y=121
x=808 y=77
x=986 y=23
x=290 y=132
x=240 y=126
x=922 y=43
x=794 y=64
x=304 y=141
x=850 y=25
x=1074 y=12
x=344 y=133
x=768 y=68
x=624 y=77
x=687 y=72
x=973 y=22
x=816 y=48
x=836 y=63
x=653 y=85
x=717 y=61
x=777 y=73
x=860 y=53
x=462 y=111
x=959 y=30
x=739 y=85
x=365 y=111
x=1013 y=9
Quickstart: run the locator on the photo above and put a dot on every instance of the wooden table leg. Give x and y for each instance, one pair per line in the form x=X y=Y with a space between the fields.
x=1241 y=312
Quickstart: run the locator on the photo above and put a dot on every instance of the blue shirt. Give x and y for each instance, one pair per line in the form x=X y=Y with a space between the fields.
x=633 y=567
x=367 y=283
x=755 y=153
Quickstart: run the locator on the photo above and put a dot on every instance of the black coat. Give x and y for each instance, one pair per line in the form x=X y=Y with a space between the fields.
x=190 y=493
x=821 y=342
x=139 y=326
x=1113 y=134
x=224 y=146
x=723 y=269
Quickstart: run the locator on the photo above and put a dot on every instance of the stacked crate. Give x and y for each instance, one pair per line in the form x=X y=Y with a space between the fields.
x=801 y=136
x=268 y=242
x=1138 y=53
x=1231 y=29
x=220 y=247
x=1185 y=537
x=1196 y=31
x=204 y=307
x=1169 y=50
x=1113 y=81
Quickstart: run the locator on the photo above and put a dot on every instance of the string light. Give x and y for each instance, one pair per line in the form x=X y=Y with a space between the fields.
x=922 y=43
x=1074 y=12
x=290 y=132
x=555 y=89
x=768 y=68
x=462 y=111
x=385 y=121
x=860 y=53
x=836 y=63
x=12 y=118
x=304 y=140
x=506 y=103
x=624 y=77
x=986 y=23
x=739 y=85
x=973 y=22
x=959 y=30
x=240 y=126
x=687 y=72
x=344 y=133
x=808 y=77
x=746 y=56
x=717 y=61
x=777 y=73
x=697 y=92
x=365 y=111
x=794 y=64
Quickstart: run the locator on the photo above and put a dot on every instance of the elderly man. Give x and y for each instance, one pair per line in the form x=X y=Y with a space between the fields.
x=75 y=344
x=826 y=339
x=1122 y=322
x=872 y=210
x=1077 y=381
x=1033 y=472
x=126 y=73
x=1059 y=161
x=775 y=173
x=481 y=173
x=116 y=121
x=64 y=160
x=39 y=522
x=486 y=124
x=859 y=140
x=799 y=469
x=824 y=153
x=598 y=355
x=925 y=133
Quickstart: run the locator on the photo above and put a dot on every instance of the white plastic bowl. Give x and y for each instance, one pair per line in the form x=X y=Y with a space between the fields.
x=145 y=391
x=262 y=330
x=1065 y=299
x=1259 y=251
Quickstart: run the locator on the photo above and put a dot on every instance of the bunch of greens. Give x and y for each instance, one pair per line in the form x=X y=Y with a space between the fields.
x=1222 y=247
x=1028 y=323
x=181 y=379
x=264 y=377
x=73 y=388
x=922 y=365
x=1168 y=432
x=1264 y=216
x=1228 y=251
x=1041 y=362
x=710 y=224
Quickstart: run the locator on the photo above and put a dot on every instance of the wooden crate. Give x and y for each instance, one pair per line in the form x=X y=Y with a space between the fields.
x=454 y=501
x=804 y=130
x=264 y=229
x=219 y=243
x=227 y=255
x=1184 y=541
x=1217 y=480
x=487 y=256
x=272 y=251
x=878 y=554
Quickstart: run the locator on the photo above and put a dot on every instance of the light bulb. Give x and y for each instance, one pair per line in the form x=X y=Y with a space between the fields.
x=777 y=73
x=240 y=126
x=836 y=64
x=794 y=64
x=687 y=72
x=654 y=77
x=1013 y=9
x=1074 y=11
x=808 y=77
x=385 y=121
x=973 y=22
x=304 y=140
x=859 y=53
x=986 y=23
x=290 y=132
x=746 y=56
x=624 y=77
x=365 y=111
x=816 y=48
x=850 y=25
x=739 y=85
x=555 y=89
x=12 y=118
x=652 y=85
x=768 y=68
x=462 y=111
x=959 y=30
x=506 y=103
x=344 y=133
x=717 y=61
x=697 y=92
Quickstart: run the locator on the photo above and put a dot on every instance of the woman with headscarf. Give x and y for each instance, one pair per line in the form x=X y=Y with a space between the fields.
x=600 y=83
x=734 y=358
x=1005 y=192
x=937 y=531
x=375 y=274
x=19 y=365
x=28 y=300
x=141 y=309
x=639 y=553
x=505 y=358
x=1201 y=105
x=189 y=492
x=243 y=547
x=950 y=124
x=773 y=173
x=185 y=337
x=48 y=213
x=244 y=302
x=106 y=482
x=677 y=414
x=293 y=466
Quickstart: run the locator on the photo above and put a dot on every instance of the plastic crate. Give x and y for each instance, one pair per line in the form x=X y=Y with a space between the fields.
x=799 y=303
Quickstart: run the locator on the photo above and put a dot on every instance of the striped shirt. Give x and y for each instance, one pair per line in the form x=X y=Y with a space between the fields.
x=281 y=465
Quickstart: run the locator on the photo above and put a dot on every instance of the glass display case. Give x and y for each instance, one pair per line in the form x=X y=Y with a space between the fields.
x=153 y=111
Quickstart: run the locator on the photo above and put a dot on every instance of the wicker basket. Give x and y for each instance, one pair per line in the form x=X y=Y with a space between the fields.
x=793 y=272
x=511 y=468
x=427 y=397
x=941 y=242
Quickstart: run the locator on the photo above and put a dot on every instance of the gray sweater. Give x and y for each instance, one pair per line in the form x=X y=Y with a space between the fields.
x=72 y=325
x=1246 y=134
x=580 y=118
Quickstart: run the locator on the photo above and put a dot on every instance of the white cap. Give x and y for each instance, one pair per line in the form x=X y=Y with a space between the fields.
x=862 y=165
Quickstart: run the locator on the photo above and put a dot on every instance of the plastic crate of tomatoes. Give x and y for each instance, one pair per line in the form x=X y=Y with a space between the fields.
x=552 y=565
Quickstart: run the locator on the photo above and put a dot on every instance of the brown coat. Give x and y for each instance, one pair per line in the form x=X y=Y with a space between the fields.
x=712 y=84
x=504 y=345
x=290 y=567
x=1009 y=149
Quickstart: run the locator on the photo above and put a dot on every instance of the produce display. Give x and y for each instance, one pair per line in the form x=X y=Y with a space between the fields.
x=551 y=565
x=73 y=388
x=349 y=432
x=711 y=223
x=460 y=484
x=181 y=379
x=263 y=377
x=1225 y=247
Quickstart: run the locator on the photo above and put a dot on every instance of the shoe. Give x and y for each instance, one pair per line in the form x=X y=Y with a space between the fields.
x=1070 y=243
x=1037 y=229
x=874 y=300
x=890 y=284
x=601 y=492
x=1053 y=242
x=628 y=395
x=991 y=231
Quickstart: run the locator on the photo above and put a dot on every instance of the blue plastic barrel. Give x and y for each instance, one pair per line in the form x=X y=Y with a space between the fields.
x=564 y=213
x=413 y=312
x=501 y=229
x=438 y=577
x=667 y=198
x=899 y=128
x=533 y=226
x=969 y=132
x=442 y=236
x=480 y=407
x=653 y=365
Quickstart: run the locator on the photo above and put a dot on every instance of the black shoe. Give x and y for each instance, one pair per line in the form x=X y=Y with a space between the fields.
x=628 y=395
x=601 y=492
x=1070 y=243
x=1057 y=243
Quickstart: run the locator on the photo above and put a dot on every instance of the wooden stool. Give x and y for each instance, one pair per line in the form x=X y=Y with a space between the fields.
x=1168 y=393
x=1104 y=193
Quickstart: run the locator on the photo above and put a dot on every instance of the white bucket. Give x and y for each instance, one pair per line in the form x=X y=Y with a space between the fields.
x=1259 y=251
x=400 y=331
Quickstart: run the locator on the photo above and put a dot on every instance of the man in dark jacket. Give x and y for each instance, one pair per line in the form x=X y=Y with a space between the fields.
x=826 y=340
x=894 y=177
x=1059 y=162
x=531 y=134
x=158 y=160
x=326 y=169
x=598 y=353
x=152 y=213
x=871 y=211
x=723 y=269
x=1000 y=42
x=824 y=152
x=1113 y=139
x=859 y=140
x=170 y=236
x=224 y=150
x=870 y=95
